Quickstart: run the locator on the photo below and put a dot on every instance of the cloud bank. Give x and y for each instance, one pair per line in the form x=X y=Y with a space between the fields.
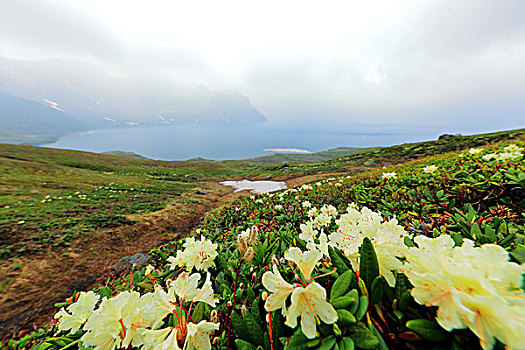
x=438 y=63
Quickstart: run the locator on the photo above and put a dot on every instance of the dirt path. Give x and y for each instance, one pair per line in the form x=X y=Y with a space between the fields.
x=40 y=281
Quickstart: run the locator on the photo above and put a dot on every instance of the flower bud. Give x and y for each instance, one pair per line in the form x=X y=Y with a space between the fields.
x=264 y=295
x=215 y=340
x=214 y=317
x=268 y=317
x=229 y=304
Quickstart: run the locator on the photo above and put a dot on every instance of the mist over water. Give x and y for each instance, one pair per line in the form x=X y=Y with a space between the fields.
x=219 y=141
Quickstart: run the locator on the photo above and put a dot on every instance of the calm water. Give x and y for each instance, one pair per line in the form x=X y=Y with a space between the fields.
x=180 y=142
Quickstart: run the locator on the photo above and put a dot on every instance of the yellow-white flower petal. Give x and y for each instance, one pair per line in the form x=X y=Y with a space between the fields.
x=280 y=289
x=305 y=261
x=310 y=303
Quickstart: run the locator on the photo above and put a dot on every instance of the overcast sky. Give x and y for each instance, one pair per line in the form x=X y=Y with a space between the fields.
x=439 y=63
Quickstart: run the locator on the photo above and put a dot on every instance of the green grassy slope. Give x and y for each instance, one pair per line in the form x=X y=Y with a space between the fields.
x=402 y=153
x=49 y=197
x=309 y=158
x=467 y=197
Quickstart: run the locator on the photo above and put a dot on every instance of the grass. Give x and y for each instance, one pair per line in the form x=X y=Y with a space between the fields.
x=309 y=158
x=51 y=200
x=51 y=197
x=467 y=197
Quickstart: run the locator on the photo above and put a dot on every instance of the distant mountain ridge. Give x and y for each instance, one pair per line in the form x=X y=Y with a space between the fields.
x=28 y=121
x=87 y=93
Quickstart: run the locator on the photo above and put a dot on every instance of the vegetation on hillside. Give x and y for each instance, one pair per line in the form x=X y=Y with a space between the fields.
x=309 y=158
x=425 y=254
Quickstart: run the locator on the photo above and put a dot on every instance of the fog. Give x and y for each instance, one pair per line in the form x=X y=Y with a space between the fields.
x=451 y=65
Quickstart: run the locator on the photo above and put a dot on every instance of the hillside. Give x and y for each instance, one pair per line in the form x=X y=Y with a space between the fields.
x=28 y=121
x=309 y=158
x=67 y=216
x=125 y=154
x=114 y=192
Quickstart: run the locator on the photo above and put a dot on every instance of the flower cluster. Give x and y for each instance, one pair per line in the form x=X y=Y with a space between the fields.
x=78 y=312
x=387 y=238
x=131 y=319
x=429 y=169
x=197 y=253
x=308 y=298
x=474 y=287
x=387 y=176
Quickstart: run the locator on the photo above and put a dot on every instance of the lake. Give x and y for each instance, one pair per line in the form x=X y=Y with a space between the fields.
x=181 y=142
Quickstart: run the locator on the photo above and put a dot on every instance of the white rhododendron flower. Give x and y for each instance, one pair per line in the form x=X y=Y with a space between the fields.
x=490 y=156
x=509 y=155
x=312 y=212
x=308 y=232
x=162 y=339
x=197 y=253
x=389 y=175
x=474 y=287
x=306 y=204
x=475 y=150
x=429 y=169
x=322 y=219
x=108 y=325
x=513 y=148
x=77 y=313
x=308 y=298
x=322 y=246
x=329 y=210
x=310 y=303
x=386 y=237
x=198 y=336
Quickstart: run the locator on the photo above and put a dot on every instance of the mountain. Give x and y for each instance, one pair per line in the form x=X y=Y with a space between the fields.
x=22 y=120
x=86 y=92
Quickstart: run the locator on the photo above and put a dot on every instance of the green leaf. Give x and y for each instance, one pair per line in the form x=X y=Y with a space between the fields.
x=341 y=284
x=253 y=328
x=408 y=242
x=426 y=329
x=382 y=344
x=519 y=254
x=346 y=344
x=376 y=291
x=440 y=193
x=368 y=265
x=242 y=330
x=198 y=312
x=345 y=318
x=327 y=343
x=298 y=341
x=404 y=301
x=503 y=228
x=343 y=302
x=244 y=345
x=355 y=295
x=278 y=326
x=458 y=239
x=363 y=307
x=402 y=285
x=338 y=261
x=363 y=337
x=490 y=234
x=475 y=231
